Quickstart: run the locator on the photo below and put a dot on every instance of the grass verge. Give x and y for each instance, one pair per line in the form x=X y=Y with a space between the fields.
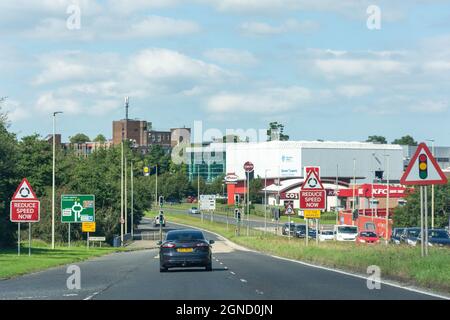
x=401 y=263
x=43 y=257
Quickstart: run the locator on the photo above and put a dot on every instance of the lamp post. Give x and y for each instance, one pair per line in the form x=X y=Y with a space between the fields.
x=53 y=178
x=387 y=200
x=265 y=200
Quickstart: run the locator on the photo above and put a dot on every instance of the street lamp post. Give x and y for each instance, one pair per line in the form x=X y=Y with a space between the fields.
x=53 y=178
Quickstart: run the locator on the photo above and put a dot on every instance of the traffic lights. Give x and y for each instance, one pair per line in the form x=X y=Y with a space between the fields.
x=161 y=201
x=237 y=199
x=237 y=214
x=423 y=166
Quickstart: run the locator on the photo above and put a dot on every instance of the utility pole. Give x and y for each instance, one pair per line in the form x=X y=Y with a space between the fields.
x=198 y=191
x=336 y=194
x=432 y=186
x=387 y=200
x=132 y=201
x=121 y=190
x=53 y=179
x=354 y=187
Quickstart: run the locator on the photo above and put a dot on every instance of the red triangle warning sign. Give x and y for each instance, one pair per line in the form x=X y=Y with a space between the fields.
x=423 y=169
x=24 y=191
x=312 y=182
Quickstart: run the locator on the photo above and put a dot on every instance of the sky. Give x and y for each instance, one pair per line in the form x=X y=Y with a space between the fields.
x=314 y=66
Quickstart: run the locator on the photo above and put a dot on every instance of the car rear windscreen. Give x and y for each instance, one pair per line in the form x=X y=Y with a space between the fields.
x=184 y=236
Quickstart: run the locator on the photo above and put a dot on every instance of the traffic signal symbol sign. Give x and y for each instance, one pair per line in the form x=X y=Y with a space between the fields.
x=423 y=166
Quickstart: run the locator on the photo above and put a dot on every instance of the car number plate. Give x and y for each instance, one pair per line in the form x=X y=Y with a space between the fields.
x=185 y=250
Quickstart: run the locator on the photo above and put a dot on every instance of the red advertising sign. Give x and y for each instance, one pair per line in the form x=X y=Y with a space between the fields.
x=248 y=166
x=24 y=207
x=289 y=196
x=312 y=194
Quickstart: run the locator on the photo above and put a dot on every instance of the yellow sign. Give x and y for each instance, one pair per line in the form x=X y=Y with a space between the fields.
x=146 y=170
x=312 y=214
x=88 y=227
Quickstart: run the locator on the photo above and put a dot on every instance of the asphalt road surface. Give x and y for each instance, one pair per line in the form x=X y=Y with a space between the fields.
x=237 y=274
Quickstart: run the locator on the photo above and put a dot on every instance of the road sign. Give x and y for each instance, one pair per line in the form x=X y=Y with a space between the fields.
x=248 y=167
x=423 y=169
x=146 y=171
x=307 y=170
x=311 y=214
x=207 y=202
x=312 y=194
x=102 y=239
x=289 y=208
x=77 y=208
x=24 y=206
x=88 y=226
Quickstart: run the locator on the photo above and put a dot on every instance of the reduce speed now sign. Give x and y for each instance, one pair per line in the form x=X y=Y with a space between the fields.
x=312 y=195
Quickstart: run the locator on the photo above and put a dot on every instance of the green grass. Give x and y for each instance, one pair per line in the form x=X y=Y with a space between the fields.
x=402 y=263
x=43 y=257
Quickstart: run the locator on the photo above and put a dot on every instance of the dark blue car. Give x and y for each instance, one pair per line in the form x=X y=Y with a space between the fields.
x=185 y=248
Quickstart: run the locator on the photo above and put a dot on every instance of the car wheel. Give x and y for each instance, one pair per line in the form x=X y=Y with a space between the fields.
x=208 y=267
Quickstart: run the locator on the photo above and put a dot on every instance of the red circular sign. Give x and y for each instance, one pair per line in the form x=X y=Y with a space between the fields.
x=248 y=166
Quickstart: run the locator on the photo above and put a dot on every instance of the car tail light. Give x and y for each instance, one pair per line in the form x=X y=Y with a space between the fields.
x=169 y=245
x=202 y=244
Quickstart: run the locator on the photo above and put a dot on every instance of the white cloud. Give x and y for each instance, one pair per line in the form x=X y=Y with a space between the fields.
x=269 y=100
x=159 y=63
x=131 y=6
x=47 y=102
x=265 y=29
x=352 y=91
x=15 y=110
x=430 y=106
x=231 y=56
x=156 y=26
x=359 y=67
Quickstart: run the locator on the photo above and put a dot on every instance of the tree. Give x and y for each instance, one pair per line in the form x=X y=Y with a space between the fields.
x=79 y=138
x=409 y=215
x=276 y=132
x=8 y=180
x=377 y=139
x=100 y=138
x=405 y=141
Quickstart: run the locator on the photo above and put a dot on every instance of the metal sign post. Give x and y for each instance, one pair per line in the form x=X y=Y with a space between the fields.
x=68 y=235
x=18 y=239
x=307 y=232
x=421 y=222
x=29 y=239
x=317 y=231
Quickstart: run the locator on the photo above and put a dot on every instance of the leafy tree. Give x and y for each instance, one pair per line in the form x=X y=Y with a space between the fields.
x=256 y=185
x=79 y=138
x=8 y=180
x=377 y=139
x=100 y=138
x=409 y=215
x=405 y=141
x=276 y=132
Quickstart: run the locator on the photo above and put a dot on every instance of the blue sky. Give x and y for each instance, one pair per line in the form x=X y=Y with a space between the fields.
x=312 y=65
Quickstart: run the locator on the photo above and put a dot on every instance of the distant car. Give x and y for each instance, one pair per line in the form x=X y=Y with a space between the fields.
x=326 y=235
x=156 y=222
x=288 y=229
x=367 y=236
x=300 y=230
x=410 y=236
x=312 y=233
x=194 y=210
x=396 y=236
x=437 y=237
x=345 y=233
x=185 y=248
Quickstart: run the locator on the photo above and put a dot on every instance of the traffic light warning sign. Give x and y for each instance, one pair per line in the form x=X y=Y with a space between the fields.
x=423 y=169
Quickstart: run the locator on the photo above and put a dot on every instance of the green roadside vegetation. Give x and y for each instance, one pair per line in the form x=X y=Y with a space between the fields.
x=43 y=257
x=256 y=212
x=401 y=263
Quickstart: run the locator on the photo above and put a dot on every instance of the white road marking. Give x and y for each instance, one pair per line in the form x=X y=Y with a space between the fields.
x=243 y=280
x=221 y=263
x=70 y=295
x=232 y=273
x=259 y=292
x=91 y=296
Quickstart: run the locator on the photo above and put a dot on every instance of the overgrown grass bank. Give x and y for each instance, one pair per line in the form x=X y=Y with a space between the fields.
x=43 y=257
x=401 y=263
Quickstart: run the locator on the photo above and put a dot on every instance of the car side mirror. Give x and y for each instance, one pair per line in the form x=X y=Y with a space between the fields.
x=211 y=241
x=159 y=243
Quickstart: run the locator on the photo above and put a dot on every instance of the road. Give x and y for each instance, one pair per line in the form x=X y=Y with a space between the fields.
x=237 y=274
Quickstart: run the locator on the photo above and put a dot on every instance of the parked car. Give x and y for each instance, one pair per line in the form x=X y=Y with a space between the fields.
x=156 y=222
x=311 y=233
x=345 y=233
x=300 y=230
x=185 y=248
x=194 y=210
x=410 y=236
x=437 y=237
x=326 y=235
x=367 y=236
x=396 y=236
x=288 y=229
